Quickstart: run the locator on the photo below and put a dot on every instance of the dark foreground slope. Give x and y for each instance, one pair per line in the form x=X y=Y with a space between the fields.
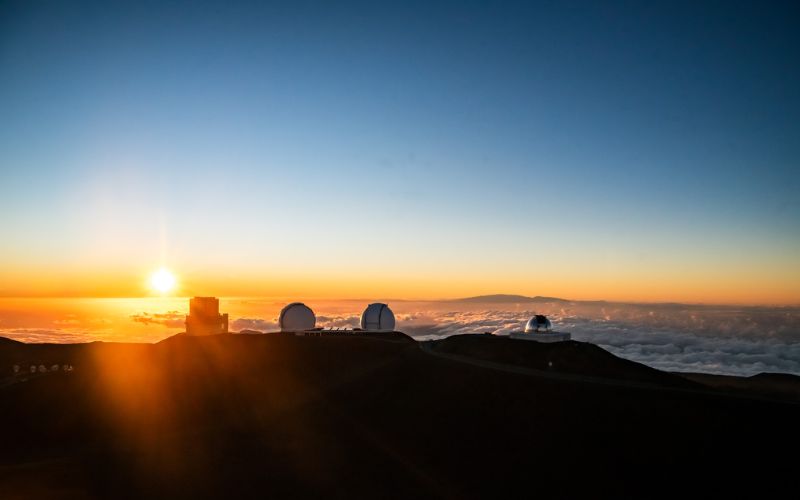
x=311 y=417
x=782 y=386
x=570 y=357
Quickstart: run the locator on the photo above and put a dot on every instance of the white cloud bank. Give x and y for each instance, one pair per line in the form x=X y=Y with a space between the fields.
x=710 y=339
x=720 y=340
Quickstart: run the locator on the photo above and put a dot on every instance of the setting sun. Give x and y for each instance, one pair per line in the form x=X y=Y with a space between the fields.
x=162 y=281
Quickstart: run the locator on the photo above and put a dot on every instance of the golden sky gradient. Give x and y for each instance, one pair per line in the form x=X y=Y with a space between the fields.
x=437 y=161
x=755 y=285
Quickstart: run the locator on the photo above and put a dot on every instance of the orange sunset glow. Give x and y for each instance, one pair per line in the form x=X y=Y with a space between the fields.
x=399 y=250
x=764 y=283
x=162 y=281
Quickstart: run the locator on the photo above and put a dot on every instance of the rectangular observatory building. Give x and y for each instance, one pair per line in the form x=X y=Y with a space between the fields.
x=204 y=317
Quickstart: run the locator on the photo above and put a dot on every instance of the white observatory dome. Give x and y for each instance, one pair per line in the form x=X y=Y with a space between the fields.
x=537 y=323
x=296 y=317
x=377 y=317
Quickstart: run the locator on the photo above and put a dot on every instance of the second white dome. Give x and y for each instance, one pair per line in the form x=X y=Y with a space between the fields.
x=296 y=317
x=538 y=323
x=377 y=317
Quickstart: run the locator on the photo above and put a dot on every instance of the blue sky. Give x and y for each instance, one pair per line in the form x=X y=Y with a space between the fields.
x=649 y=139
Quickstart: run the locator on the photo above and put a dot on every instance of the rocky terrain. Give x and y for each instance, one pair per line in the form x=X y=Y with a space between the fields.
x=376 y=416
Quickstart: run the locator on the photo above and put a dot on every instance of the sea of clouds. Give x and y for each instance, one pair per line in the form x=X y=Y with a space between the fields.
x=675 y=337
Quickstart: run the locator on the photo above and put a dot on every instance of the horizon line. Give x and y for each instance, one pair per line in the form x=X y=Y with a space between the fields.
x=390 y=299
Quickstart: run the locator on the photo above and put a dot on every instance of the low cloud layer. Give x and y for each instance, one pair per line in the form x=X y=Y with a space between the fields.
x=271 y=325
x=339 y=321
x=668 y=337
x=73 y=335
x=261 y=325
x=675 y=337
x=705 y=351
x=171 y=319
x=43 y=335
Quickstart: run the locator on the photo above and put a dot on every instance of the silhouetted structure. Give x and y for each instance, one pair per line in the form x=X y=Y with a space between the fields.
x=297 y=317
x=204 y=317
x=377 y=317
x=538 y=323
x=539 y=328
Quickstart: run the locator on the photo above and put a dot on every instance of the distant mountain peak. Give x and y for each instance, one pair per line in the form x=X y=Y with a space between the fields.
x=509 y=299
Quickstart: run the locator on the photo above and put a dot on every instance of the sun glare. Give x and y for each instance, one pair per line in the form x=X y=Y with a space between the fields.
x=162 y=281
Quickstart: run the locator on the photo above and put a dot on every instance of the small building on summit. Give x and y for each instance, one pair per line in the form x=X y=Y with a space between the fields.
x=204 y=317
x=377 y=318
x=538 y=323
x=539 y=329
x=297 y=317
